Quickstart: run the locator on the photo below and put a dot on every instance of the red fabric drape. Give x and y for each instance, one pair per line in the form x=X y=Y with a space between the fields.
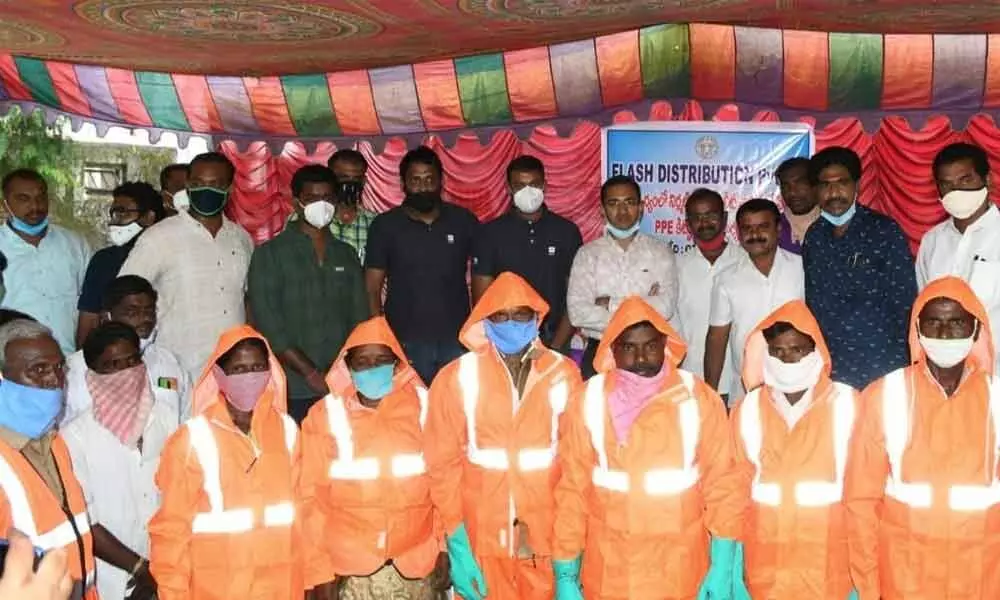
x=897 y=169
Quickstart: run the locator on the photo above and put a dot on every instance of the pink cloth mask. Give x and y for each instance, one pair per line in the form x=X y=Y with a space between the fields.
x=242 y=390
x=631 y=394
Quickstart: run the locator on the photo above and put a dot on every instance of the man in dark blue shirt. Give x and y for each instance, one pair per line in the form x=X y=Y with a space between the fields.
x=860 y=281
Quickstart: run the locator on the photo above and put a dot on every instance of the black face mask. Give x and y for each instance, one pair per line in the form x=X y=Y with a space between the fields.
x=349 y=192
x=423 y=202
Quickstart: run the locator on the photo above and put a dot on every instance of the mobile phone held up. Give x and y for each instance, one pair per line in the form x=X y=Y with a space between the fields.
x=5 y=546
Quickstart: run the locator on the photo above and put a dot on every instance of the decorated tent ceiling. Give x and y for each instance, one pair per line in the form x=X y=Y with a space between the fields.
x=347 y=69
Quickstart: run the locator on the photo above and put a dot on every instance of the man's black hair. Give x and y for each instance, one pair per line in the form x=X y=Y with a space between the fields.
x=24 y=174
x=525 y=164
x=835 y=155
x=214 y=158
x=146 y=197
x=348 y=155
x=781 y=327
x=705 y=194
x=169 y=170
x=312 y=174
x=124 y=286
x=421 y=155
x=962 y=151
x=252 y=342
x=8 y=314
x=104 y=335
x=620 y=180
x=790 y=164
x=756 y=205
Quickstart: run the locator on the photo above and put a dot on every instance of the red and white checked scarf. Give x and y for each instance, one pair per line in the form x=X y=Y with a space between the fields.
x=122 y=402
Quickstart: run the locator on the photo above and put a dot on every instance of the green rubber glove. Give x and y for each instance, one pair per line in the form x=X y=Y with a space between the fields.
x=465 y=573
x=740 y=591
x=567 y=576
x=718 y=582
x=853 y=595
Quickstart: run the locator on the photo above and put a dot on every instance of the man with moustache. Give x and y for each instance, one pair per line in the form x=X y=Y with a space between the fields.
x=801 y=210
x=748 y=291
x=705 y=213
x=422 y=249
x=860 y=282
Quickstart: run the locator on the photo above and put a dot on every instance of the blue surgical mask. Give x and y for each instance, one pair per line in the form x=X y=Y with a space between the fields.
x=28 y=229
x=836 y=220
x=510 y=337
x=621 y=234
x=207 y=201
x=29 y=411
x=374 y=383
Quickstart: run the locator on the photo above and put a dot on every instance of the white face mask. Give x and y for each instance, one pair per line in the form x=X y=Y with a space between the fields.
x=181 y=201
x=119 y=235
x=529 y=199
x=319 y=213
x=789 y=378
x=961 y=204
x=147 y=341
x=946 y=353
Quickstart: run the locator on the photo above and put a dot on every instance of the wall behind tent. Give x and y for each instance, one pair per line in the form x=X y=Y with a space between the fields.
x=897 y=177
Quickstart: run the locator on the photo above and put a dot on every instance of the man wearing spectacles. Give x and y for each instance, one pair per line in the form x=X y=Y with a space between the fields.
x=135 y=206
x=623 y=262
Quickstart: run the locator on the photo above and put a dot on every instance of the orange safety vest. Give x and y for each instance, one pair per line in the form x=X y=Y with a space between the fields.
x=34 y=510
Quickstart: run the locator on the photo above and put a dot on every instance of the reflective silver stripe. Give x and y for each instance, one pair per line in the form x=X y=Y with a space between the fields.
x=63 y=534
x=291 y=432
x=218 y=519
x=656 y=482
x=976 y=498
x=347 y=467
x=897 y=428
x=20 y=509
x=807 y=493
x=279 y=515
x=497 y=459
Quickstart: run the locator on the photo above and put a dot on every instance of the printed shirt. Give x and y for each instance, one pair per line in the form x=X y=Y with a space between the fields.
x=974 y=256
x=298 y=302
x=861 y=287
x=200 y=280
x=742 y=296
x=44 y=281
x=696 y=276
x=603 y=268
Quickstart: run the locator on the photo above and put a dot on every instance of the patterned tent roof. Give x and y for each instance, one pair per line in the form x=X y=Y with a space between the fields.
x=333 y=69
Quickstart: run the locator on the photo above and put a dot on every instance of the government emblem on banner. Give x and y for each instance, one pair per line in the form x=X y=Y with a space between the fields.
x=706 y=147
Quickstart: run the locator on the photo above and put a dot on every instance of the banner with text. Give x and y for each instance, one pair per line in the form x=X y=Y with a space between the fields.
x=670 y=160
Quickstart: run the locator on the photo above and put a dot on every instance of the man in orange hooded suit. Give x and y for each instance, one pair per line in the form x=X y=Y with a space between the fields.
x=490 y=444
x=645 y=454
x=923 y=484
x=228 y=481
x=793 y=431
x=366 y=494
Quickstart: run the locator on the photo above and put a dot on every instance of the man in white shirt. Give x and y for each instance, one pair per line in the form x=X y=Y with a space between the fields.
x=46 y=263
x=748 y=291
x=705 y=213
x=131 y=300
x=198 y=263
x=623 y=262
x=115 y=448
x=966 y=245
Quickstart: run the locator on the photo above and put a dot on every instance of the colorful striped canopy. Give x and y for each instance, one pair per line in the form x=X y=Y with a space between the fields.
x=792 y=72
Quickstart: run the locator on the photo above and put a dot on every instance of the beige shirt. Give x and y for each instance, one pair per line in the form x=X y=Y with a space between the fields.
x=200 y=279
x=604 y=268
x=38 y=453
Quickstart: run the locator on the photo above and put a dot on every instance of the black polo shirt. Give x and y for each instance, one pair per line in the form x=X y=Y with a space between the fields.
x=426 y=265
x=541 y=252
x=101 y=271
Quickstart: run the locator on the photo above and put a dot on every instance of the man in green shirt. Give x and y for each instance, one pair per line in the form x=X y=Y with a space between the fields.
x=306 y=290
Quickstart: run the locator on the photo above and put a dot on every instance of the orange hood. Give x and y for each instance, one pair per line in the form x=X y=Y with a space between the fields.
x=506 y=292
x=635 y=310
x=799 y=316
x=372 y=331
x=955 y=289
x=206 y=390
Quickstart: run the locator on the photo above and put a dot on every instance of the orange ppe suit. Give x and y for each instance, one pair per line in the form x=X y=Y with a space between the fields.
x=366 y=494
x=792 y=480
x=491 y=451
x=28 y=505
x=227 y=527
x=641 y=510
x=923 y=486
